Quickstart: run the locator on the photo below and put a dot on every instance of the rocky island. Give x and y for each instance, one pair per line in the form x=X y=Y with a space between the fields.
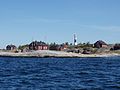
x=41 y=49
x=48 y=53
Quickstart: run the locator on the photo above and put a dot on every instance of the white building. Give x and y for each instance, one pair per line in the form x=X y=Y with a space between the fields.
x=75 y=39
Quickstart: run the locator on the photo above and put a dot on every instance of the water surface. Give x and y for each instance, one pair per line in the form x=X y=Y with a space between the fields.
x=60 y=73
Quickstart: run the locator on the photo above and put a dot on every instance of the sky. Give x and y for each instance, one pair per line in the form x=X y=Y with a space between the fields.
x=22 y=21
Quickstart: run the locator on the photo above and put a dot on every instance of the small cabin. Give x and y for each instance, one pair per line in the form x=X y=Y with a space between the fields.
x=58 y=47
x=100 y=44
x=11 y=47
x=116 y=47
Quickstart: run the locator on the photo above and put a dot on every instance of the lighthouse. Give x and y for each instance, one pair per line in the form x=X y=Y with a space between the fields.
x=75 y=40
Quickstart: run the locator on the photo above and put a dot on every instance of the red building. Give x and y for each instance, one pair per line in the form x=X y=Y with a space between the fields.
x=58 y=47
x=100 y=44
x=35 y=45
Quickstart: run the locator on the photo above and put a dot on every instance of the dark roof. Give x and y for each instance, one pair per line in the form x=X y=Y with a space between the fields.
x=116 y=47
x=37 y=43
x=11 y=46
x=101 y=42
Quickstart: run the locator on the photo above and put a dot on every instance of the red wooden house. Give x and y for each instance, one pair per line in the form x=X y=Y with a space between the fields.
x=35 y=45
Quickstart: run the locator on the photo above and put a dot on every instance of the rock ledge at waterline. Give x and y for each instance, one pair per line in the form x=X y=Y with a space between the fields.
x=48 y=53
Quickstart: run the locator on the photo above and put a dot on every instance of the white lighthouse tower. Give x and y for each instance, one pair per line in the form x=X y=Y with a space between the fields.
x=75 y=40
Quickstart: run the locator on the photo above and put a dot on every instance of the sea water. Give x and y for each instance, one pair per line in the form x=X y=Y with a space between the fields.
x=60 y=73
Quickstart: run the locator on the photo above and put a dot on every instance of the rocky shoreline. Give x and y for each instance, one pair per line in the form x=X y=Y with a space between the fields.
x=48 y=53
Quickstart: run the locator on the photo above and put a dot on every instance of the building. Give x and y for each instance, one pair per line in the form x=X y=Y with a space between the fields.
x=62 y=47
x=116 y=47
x=54 y=47
x=35 y=45
x=11 y=47
x=57 y=47
x=100 y=44
x=75 y=40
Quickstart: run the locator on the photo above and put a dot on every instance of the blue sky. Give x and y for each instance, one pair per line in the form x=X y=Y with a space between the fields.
x=22 y=21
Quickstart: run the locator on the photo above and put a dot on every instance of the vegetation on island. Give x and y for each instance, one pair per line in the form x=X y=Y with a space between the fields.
x=83 y=48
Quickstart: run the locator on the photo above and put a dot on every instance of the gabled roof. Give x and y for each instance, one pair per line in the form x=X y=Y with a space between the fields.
x=11 y=46
x=38 y=43
x=101 y=42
